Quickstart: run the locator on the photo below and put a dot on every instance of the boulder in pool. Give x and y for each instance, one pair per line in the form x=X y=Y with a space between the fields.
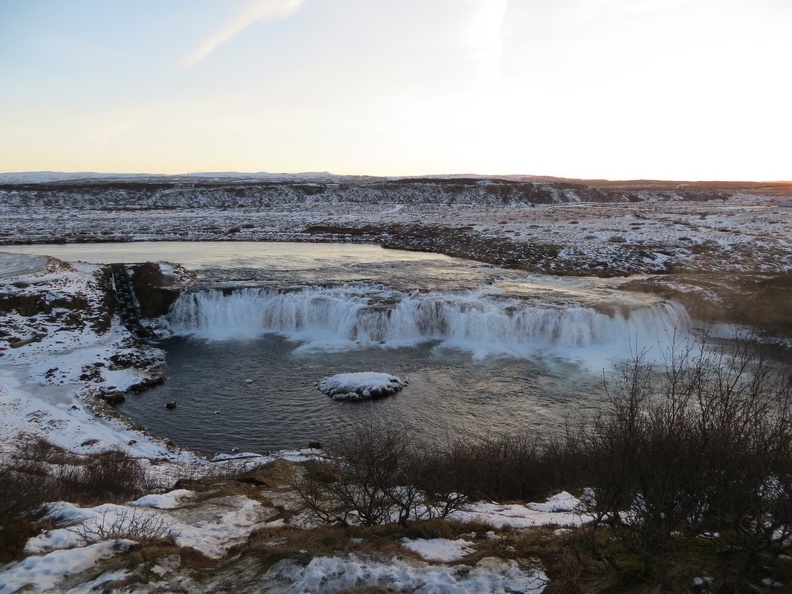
x=360 y=386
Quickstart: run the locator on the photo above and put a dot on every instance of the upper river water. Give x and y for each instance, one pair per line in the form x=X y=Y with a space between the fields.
x=485 y=350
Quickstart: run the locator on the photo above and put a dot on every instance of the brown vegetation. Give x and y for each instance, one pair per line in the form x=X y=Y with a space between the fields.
x=39 y=472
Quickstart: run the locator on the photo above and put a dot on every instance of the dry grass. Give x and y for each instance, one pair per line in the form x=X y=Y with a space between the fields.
x=762 y=300
x=272 y=545
x=153 y=553
x=140 y=562
x=258 y=484
x=38 y=472
x=14 y=533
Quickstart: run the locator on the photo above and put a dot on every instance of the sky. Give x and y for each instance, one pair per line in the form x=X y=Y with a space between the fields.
x=617 y=89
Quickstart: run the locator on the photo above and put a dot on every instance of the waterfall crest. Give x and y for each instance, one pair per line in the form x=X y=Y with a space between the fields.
x=479 y=321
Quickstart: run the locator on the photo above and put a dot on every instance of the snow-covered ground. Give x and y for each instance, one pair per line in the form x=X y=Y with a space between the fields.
x=55 y=363
x=700 y=240
x=15 y=265
x=327 y=575
x=562 y=228
x=68 y=558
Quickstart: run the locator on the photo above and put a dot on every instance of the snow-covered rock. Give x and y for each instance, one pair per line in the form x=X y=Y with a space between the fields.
x=361 y=385
x=170 y=500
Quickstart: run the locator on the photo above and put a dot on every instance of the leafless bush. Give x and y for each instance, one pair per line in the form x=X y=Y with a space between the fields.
x=504 y=467
x=440 y=483
x=38 y=472
x=358 y=478
x=34 y=475
x=24 y=486
x=40 y=450
x=109 y=476
x=123 y=523
x=375 y=476
x=22 y=492
x=701 y=445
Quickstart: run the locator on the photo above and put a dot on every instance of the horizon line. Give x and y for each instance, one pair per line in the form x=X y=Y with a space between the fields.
x=538 y=177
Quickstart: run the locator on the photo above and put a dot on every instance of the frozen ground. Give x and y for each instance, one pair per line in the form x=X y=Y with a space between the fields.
x=555 y=227
x=13 y=265
x=56 y=363
x=87 y=549
x=61 y=355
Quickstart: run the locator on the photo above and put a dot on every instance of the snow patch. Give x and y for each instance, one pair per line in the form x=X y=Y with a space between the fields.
x=439 y=549
x=560 y=510
x=18 y=264
x=43 y=573
x=170 y=500
x=326 y=575
x=212 y=528
x=562 y=502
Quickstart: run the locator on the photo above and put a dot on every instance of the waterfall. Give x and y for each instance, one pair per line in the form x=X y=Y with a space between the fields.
x=482 y=321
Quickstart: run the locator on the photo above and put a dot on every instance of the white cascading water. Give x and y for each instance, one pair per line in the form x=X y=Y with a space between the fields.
x=482 y=322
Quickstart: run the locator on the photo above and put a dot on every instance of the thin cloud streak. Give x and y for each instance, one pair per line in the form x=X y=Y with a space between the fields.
x=253 y=12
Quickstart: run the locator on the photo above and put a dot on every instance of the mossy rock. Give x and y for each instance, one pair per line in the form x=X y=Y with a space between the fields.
x=154 y=296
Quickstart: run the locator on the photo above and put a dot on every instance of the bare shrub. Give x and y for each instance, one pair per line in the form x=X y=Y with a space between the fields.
x=41 y=472
x=441 y=484
x=565 y=457
x=358 y=478
x=24 y=486
x=107 y=476
x=40 y=450
x=38 y=472
x=114 y=474
x=701 y=445
x=123 y=523
x=375 y=476
x=505 y=467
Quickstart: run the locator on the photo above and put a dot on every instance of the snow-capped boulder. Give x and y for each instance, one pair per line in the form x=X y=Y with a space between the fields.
x=360 y=386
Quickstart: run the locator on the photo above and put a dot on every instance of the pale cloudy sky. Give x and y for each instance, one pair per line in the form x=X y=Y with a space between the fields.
x=670 y=89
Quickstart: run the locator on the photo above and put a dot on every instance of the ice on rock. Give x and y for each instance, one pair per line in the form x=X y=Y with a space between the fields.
x=361 y=385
